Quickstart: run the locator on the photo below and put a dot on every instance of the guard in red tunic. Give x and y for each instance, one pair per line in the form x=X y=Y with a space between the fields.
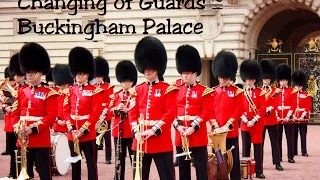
x=194 y=102
x=225 y=116
x=126 y=74
x=63 y=80
x=284 y=112
x=302 y=105
x=102 y=76
x=36 y=106
x=82 y=111
x=269 y=70
x=254 y=109
x=156 y=101
x=6 y=102
x=50 y=81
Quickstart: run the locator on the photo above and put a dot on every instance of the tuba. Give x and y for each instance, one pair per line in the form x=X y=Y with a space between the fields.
x=23 y=140
x=139 y=152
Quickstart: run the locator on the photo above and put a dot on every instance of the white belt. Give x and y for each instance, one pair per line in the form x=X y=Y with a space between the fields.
x=284 y=107
x=301 y=109
x=76 y=117
x=30 y=118
x=151 y=122
x=187 y=118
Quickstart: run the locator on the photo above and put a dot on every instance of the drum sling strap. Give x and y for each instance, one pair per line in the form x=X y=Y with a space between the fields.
x=250 y=101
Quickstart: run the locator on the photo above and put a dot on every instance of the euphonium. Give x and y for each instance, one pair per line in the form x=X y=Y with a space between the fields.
x=139 y=152
x=23 y=140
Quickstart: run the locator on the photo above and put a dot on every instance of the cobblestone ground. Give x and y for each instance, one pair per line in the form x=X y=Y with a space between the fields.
x=306 y=168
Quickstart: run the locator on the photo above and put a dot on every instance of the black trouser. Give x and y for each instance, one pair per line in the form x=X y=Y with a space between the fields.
x=235 y=173
x=107 y=142
x=125 y=144
x=164 y=164
x=200 y=157
x=273 y=135
x=289 y=135
x=11 y=141
x=89 y=148
x=257 y=148
x=302 y=128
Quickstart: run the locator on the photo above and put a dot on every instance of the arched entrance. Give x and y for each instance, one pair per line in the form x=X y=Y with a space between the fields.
x=288 y=32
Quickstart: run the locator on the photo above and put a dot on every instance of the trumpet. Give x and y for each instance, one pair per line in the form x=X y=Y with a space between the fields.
x=139 y=152
x=185 y=148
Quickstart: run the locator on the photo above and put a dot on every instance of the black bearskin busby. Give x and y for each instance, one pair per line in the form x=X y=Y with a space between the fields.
x=299 y=78
x=268 y=70
x=188 y=59
x=225 y=65
x=126 y=70
x=283 y=72
x=61 y=75
x=150 y=53
x=33 y=57
x=14 y=65
x=250 y=69
x=7 y=74
x=49 y=75
x=102 y=68
x=239 y=85
x=81 y=61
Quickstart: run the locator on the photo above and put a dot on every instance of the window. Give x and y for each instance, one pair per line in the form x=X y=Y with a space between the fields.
x=98 y=24
x=25 y=27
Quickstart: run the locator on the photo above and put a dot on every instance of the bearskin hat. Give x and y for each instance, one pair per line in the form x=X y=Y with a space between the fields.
x=14 y=66
x=250 y=69
x=33 y=57
x=188 y=59
x=150 y=53
x=61 y=75
x=49 y=75
x=102 y=67
x=239 y=85
x=81 y=61
x=283 y=72
x=225 y=65
x=7 y=74
x=269 y=70
x=126 y=70
x=299 y=78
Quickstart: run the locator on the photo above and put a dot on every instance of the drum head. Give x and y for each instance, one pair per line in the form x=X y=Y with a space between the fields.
x=62 y=153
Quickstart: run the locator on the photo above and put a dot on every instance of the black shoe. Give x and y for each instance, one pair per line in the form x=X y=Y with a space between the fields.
x=291 y=160
x=280 y=159
x=100 y=147
x=305 y=154
x=108 y=162
x=175 y=163
x=4 y=153
x=260 y=176
x=279 y=167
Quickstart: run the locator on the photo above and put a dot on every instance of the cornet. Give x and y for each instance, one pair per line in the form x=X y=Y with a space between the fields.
x=185 y=147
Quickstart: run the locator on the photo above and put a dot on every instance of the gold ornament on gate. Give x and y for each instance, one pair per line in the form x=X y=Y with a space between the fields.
x=275 y=45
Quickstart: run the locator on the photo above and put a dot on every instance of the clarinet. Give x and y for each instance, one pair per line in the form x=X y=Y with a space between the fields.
x=118 y=155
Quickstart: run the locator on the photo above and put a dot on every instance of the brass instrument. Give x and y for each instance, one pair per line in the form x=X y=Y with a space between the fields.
x=5 y=86
x=101 y=128
x=139 y=152
x=76 y=147
x=23 y=140
x=185 y=148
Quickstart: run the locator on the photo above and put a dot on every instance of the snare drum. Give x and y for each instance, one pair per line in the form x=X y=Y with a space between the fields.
x=60 y=151
x=247 y=167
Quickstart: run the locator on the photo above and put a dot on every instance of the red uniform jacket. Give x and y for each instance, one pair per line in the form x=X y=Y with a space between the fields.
x=108 y=91
x=271 y=104
x=61 y=102
x=258 y=99
x=194 y=103
x=301 y=106
x=82 y=110
x=284 y=105
x=157 y=103
x=115 y=101
x=37 y=106
x=227 y=104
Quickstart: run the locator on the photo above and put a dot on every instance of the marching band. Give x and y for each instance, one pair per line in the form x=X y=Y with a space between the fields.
x=141 y=117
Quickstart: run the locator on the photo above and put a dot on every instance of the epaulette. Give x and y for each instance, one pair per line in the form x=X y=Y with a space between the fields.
x=132 y=91
x=294 y=91
x=171 y=88
x=14 y=93
x=52 y=92
x=207 y=91
x=309 y=94
x=239 y=91
x=66 y=91
x=97 y=90
x=117 y=91
x=110 y=86
x=112 y=95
